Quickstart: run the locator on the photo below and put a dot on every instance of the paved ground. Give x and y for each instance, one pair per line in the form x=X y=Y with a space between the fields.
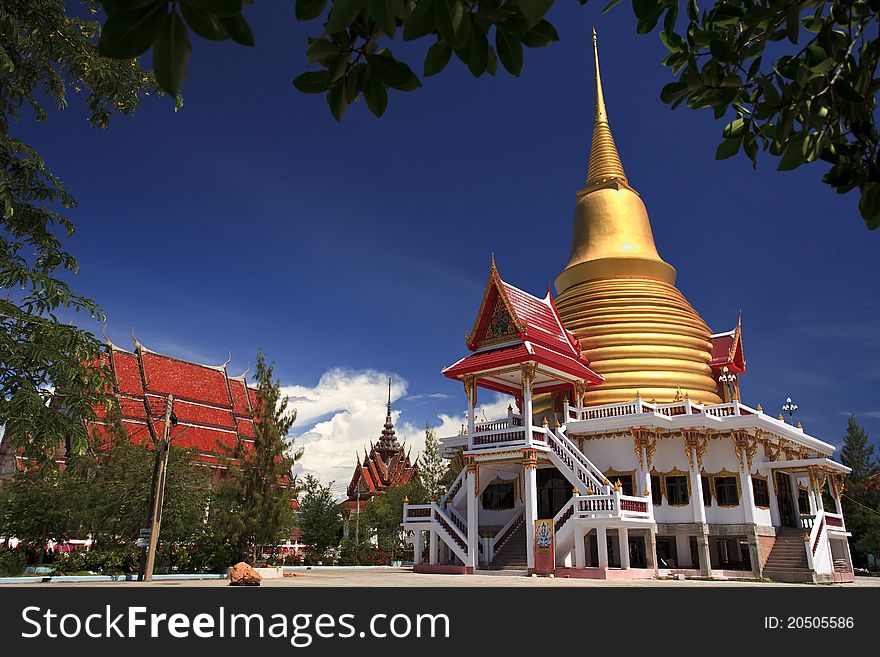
x=404 y=577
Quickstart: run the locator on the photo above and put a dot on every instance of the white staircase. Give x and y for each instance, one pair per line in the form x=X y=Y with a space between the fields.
x=443 y=518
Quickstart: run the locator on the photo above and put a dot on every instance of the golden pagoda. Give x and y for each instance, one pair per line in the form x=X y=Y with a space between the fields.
x=618 y=296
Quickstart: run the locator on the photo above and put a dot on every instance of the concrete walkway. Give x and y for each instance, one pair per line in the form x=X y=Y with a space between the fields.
x=396 y=577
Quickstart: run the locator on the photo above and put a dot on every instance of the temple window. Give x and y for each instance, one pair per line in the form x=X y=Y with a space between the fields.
x=726 y=491
x=625 y=479
x=656 y=490
x=497 y=497
x=804 y=501
x=707 y=490
x=677 y=493
x=762 y=493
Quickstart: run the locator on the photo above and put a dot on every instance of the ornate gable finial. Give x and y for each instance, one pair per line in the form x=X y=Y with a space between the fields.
x=137 y=345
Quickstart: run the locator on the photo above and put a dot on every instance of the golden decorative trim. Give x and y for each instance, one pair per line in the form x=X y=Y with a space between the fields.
x=529 y=370
x=695 y=442
x=647 y=440
x=744 y=443
x=470 y=389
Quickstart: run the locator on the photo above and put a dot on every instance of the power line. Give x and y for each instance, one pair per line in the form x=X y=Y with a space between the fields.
x=860 y=504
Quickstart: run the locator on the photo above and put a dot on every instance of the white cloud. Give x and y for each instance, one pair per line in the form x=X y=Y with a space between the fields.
x=344 y=413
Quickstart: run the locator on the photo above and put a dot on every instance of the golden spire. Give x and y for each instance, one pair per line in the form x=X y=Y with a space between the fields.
x=618 y=296
x=604 y=160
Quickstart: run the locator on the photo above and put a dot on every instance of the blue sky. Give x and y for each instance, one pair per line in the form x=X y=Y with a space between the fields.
x=251 y=219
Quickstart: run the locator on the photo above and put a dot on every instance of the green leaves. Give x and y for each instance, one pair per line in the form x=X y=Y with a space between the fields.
x=129 y=33
x=534 y=10
x=509 y=52
x=869 y=205
x=437 y=58
x=132 y=28
x=237 y=28
x=306 y=10
x=384 y=13
x=542 y=34
x=453 y=22
x=376 y=96
x=202 y=23
x=392 y=72
x=728 y=148
x=420 y=22
x=312 y=82
x=171 y=54
x=343 y=13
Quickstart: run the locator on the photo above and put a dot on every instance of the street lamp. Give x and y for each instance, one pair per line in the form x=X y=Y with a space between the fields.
x=728 y=378
x=789 y=407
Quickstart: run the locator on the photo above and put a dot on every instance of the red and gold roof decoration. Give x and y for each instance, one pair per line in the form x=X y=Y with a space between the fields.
x=495 y=306
x=727 y=350
x=514 y=327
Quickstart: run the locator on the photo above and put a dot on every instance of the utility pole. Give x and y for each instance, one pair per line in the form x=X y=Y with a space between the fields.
x=159 y=490
x=357 y=526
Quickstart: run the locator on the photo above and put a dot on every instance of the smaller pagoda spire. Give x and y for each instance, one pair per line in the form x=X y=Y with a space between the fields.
x=605 y=162
x=388 y=440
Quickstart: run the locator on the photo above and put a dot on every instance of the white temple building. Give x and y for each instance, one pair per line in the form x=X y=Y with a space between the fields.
x=626 y=451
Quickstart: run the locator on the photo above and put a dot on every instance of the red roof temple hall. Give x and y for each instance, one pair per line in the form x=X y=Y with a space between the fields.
x=213 y=410
x=386 y=465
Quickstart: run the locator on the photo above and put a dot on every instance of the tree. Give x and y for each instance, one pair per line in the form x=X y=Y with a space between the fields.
x=103 y=495
x=384 y=513
x=319 y=519
x=254 y=504
x=43 y=54
x=861 y=504
x=796 y=78
x=857 y=453
x=432 y=468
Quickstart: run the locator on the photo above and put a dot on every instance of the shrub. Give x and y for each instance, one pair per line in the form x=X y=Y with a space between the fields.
x=12 y=562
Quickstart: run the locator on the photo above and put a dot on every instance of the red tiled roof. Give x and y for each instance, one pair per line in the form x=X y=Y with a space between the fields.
x=523 y=352
x=727 y=350
x=245 y=427
x=239 y=397
x=543 y=325
x=127 y=371
x=212 y=408
x=185 y=380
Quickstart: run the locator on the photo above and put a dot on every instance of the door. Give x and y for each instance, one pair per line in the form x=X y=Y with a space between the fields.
x=783 y=499
x=554 y=492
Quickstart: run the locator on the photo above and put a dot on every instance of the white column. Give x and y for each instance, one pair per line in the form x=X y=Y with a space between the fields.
x=432 y=542
x=579 y=547
x=418 y=546
x=531 y=509
x=748 y=492
x=472 y=517
x=623 y=544
x=646 y=477
x=471 y=391
x=602 y=538
x=697 y=490
x=774 y=503
x=527 y=407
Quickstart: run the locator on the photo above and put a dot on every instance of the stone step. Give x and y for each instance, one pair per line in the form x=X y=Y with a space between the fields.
x=789 y=575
